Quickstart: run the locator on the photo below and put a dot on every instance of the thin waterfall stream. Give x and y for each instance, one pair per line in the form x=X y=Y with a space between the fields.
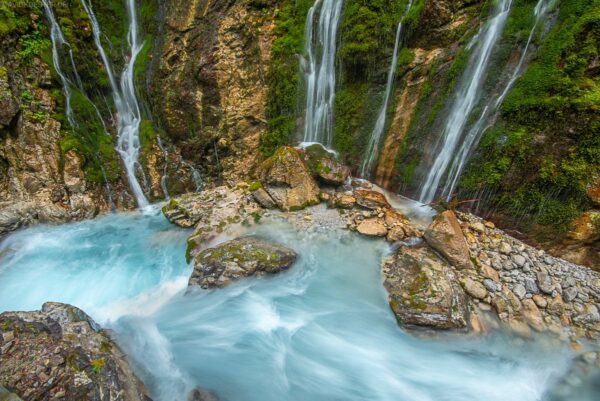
x=374 y=141
x=320 y=42
x=125 y=98
x=465 y=99
x=58 y=39
x=489 y=112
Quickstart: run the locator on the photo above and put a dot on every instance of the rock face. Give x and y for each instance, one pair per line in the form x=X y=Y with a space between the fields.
x=60 y=353
x=207 y=80
x=287 y=179
x=423 y=289
x=445 y=236
x=243 y=257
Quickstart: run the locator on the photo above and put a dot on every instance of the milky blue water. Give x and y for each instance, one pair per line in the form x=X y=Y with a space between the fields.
x=322 y=331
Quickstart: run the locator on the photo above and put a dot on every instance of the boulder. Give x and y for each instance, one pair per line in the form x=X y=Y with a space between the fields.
x=445 y=236
x=342 y=201
x=242 y=257
x=370 y=199
x=213 y=212
x=60 y=353
x=325 y=167
x=287 y=179
x=263 y=198
x=423 y=289
x=372 y=227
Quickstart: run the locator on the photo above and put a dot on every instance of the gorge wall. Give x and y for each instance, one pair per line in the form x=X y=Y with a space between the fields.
x=220 y=86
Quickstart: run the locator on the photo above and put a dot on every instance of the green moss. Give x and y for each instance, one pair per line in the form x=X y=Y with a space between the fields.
x=31 y=45
x=283 y=78
x=97 y=365
x=15 y=16
x=255 y=186
x=545 y=149
x=89 y=140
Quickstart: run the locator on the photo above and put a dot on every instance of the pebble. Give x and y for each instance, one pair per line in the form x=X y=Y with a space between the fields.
x=491 y=285
x=531 y=286
x=519 y=260
x=569 y=294
x=544 y=282
x=519 y=291
x=505 y=248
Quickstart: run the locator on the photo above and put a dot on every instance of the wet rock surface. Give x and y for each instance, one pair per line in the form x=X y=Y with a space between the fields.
x=215 y=212
x=423 y=289
x=445 y=236
x=288 y=181
x=60 y=353
x=242 y=257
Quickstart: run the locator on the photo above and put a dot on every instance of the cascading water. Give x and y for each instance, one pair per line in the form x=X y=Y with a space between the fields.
x=465 y=99
x=58 y=40
x=472 y=138
x=321 y=331
x=124 y=97
x=320 y=70
x=373 y=147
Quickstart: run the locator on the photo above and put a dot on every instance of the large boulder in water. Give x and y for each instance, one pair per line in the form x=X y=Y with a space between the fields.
x=445 y=235
x=288 y=181
x=60 y=353
x=423 y=289
x=242 y=257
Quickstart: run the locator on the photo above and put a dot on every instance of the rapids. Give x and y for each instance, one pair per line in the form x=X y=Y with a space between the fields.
x=321 y=331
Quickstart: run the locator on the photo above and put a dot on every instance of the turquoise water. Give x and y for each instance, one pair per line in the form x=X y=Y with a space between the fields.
x=320 y=332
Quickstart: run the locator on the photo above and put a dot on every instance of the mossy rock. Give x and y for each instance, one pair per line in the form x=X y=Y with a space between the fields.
x=242 y=257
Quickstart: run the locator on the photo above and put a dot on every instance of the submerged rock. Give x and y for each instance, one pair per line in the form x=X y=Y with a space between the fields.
x=242 y=257
x=445 y=236
x=423 y=289
x=288 y=181
x=60 y=353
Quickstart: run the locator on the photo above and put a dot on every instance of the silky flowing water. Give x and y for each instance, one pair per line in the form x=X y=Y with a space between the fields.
x=320 y=331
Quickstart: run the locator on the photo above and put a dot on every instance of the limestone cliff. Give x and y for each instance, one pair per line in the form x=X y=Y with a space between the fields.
x=208 y=83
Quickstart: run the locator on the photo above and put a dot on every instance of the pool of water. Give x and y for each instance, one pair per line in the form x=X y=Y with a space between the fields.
x=321 y=331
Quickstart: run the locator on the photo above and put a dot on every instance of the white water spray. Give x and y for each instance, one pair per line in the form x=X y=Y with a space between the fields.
x=475 y=132
x=465 y=99
x=124 y=97
x=374 y=141
x=320 y=74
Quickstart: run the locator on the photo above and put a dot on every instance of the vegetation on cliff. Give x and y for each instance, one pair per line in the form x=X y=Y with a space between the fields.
x=544 y=152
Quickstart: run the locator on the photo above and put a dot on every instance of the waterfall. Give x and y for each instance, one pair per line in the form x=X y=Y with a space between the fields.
x=125 y=99
x=373 y=147
x=58 y=39
x=320 y=74
x=465 y=99
x=475 y=132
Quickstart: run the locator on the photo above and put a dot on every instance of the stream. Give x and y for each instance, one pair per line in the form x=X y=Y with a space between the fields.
x=321 y=331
